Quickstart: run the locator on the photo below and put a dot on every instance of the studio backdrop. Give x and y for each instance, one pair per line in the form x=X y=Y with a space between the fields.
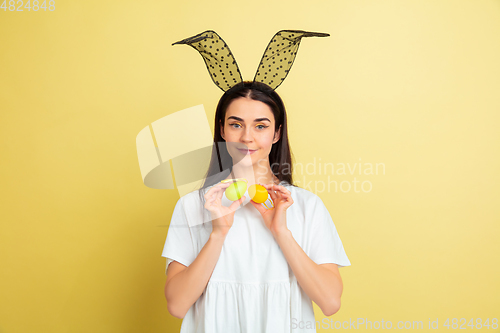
x=393 y=122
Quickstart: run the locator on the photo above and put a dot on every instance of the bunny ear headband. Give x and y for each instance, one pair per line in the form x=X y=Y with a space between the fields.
x=274 y=65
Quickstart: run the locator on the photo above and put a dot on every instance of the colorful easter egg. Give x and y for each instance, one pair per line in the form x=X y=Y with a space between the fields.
x=236 y=190
x=257 y=193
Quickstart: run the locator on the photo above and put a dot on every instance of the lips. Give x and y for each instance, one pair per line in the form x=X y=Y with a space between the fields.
x=247 y=151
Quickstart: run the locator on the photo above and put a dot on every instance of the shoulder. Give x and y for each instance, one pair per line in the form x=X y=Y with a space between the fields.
x=191 y=198
x=308 y=214
x=302 y=196
x=305 y=203
x=194 y=198
x=192 y=206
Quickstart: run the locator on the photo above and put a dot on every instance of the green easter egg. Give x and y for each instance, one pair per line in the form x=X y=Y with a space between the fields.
x=236 y=190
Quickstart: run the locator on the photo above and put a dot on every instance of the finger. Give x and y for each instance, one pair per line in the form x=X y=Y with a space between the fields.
x=214 y=195
x=209 y=196
x=281 y=189
x=267 y=185
x=236 y=203
x=259 y=207
x=277 y=192
x=221 y=189
x=208 y=201
x=211 y=191
x=289 y=198
x=269 y=188
x=286 y=201
x=212 y=198
x=284 y=194
x=230 y=181
x=217 y=190
x=222 y=186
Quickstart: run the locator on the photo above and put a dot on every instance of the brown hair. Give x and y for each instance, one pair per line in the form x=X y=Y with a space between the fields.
x=280 y=157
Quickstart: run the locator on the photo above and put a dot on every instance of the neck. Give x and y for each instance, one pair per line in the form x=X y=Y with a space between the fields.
x=259 y=173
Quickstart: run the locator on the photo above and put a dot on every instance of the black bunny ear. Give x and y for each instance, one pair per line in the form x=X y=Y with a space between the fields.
x=218 y=58
x=279 y=56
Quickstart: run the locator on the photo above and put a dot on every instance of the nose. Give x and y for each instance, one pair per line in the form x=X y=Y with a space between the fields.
x=247 y=136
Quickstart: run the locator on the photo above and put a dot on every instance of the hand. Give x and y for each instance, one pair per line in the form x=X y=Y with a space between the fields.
x=222 y=216
x=275 y=218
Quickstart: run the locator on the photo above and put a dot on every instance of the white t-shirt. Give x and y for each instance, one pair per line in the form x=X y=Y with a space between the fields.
x=252 y=288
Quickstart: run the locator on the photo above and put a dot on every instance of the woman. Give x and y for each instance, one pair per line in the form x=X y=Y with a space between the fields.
x=248 y=268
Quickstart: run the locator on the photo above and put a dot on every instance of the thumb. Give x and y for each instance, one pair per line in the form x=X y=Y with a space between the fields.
x=236 y=203
x=259 y=207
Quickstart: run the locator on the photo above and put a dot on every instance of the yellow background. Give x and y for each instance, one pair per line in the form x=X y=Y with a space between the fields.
x=411 y=84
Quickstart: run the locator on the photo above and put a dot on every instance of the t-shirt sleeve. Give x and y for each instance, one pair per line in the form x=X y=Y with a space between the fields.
x=324 y=241
x=179 y=243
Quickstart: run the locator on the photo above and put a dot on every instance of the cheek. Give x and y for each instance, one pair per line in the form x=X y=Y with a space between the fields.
x=230 y=134
x=267 y=141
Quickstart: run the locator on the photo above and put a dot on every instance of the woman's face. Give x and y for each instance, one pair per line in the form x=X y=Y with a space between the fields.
x=249 y=126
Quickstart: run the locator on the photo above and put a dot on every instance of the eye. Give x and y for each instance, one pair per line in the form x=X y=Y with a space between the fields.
x=261 y=127
x=234 y=125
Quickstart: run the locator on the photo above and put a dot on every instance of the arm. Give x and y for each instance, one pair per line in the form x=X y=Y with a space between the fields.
x=186 y=284
x=322 y=283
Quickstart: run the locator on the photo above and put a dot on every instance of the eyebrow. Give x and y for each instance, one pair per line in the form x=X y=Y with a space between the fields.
x=256 y=120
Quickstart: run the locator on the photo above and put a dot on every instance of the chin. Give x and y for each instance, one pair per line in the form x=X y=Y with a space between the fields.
x=249 y=161
x=259 y=159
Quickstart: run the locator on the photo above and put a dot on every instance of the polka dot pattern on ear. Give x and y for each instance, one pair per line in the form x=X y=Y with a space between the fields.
x=220 y=61
x=280 y=55
x=273 y=68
